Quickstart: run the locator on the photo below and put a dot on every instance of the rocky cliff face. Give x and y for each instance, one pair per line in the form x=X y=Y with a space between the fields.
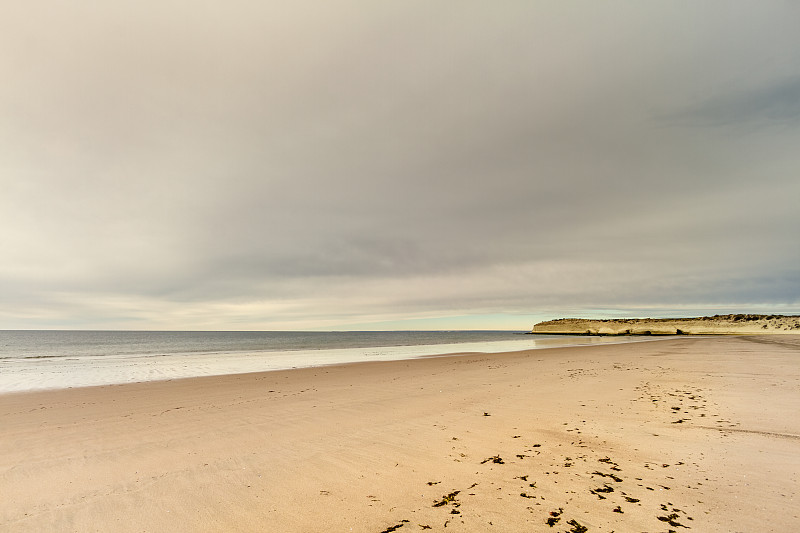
x=713 y=325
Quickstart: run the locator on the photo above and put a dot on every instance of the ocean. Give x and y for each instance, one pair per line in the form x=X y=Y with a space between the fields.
x=32 y=360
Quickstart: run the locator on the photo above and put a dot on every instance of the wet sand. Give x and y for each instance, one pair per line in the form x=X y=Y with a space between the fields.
x=683 y=434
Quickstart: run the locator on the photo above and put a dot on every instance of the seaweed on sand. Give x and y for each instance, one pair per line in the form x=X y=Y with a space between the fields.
x=448 y=498
x=555 y=516
x=577 y=527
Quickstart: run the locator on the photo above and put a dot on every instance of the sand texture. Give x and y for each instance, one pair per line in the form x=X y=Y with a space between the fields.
x=682 y=434
x=708 y=325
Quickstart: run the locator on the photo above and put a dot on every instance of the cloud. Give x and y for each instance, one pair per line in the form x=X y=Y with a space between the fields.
x=179 y=166
x=777 y=104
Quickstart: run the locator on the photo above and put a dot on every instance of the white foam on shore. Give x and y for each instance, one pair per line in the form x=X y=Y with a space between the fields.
x=27 y=374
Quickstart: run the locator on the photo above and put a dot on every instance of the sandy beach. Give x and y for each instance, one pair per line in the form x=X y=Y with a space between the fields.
x=694 y=433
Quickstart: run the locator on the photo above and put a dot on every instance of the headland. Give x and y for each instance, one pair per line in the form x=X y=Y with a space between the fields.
x=740 y=324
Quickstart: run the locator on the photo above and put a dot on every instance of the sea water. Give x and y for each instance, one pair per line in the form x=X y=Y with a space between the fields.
x=31 y=360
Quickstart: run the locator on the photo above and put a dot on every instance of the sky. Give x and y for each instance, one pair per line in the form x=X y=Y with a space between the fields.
x=297 y=165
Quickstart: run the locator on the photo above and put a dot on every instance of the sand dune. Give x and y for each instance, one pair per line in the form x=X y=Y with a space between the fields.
x=714 y=325
x=695 y=434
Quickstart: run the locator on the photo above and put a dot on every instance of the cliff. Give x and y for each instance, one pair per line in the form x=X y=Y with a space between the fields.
x=713 y=325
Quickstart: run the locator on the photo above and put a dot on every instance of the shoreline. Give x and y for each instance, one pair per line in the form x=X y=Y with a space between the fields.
x=60 y=372
x=370 y=445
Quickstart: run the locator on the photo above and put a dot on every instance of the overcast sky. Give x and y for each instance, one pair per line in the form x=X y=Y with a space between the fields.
x=402 y=164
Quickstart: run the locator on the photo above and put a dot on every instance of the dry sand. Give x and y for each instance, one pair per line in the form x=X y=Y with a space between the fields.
x=686 y=434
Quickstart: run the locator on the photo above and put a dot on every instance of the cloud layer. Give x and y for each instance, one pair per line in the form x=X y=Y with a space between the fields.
x=247 y=166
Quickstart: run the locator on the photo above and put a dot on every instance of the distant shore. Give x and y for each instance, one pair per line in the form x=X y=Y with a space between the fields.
x=708 y=325
x=689 y=433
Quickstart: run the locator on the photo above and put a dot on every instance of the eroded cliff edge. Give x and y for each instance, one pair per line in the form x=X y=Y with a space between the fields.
x=707 y=325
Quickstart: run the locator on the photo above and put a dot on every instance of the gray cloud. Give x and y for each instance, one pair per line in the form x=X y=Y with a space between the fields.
x=775 y=104
x=167 y=165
